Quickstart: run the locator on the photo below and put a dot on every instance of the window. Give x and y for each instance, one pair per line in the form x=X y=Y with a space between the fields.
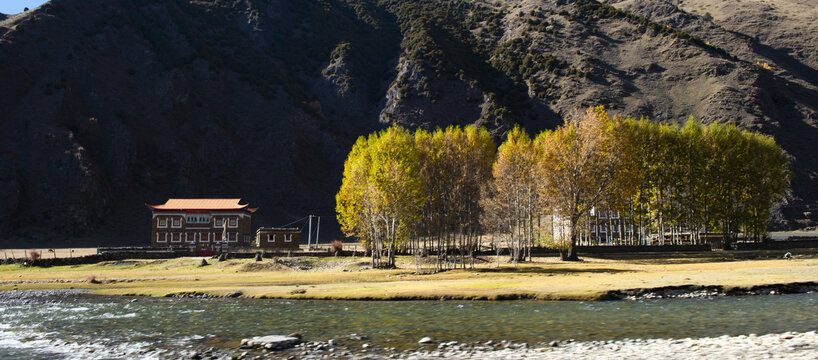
x=271 y=238
x=190 y=237
x=232 y=237
x=614 y=214
x=204 y=238
x=177 y=222
x=162 y=222
x=288 y=238
x=233 y=222
x=176 y=237
x=602 y=214
x=198 y=219
x=219 y=222
x=161 y=237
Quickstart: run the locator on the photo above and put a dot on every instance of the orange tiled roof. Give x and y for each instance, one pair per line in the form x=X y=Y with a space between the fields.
x=200 y=204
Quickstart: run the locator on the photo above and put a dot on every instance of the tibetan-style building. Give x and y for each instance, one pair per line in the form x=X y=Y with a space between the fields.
x=201 y=225
x=278 y=238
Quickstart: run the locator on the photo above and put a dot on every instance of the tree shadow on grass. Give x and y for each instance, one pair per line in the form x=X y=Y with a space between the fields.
x=551 y=270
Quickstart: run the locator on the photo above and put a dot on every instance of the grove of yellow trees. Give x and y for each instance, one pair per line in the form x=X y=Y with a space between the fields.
x=436 y=194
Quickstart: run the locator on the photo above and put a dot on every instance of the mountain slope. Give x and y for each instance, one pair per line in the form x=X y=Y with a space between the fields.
x=110 y=104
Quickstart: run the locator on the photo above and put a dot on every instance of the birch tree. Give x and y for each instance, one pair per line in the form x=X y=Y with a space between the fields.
x=583 y=164
x=381 y=194
x=513 y=199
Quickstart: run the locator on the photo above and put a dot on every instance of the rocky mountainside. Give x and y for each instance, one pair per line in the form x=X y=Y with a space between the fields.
x=108 y=104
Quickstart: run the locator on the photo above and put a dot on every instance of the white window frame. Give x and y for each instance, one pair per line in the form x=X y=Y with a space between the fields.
x=218 y=222
x=235 y=236
x=173 y=222
x=603 y=214
x=232 y=220
x=271 y=239
x=164 y=237
x=204 y=240
x=288 y=238
x=173 y=237
x=161 y=220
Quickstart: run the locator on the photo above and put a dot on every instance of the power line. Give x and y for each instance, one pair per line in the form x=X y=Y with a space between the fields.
x=303 y=218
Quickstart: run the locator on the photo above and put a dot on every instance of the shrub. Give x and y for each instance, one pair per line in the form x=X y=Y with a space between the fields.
x=337 y=247
x=33 y=255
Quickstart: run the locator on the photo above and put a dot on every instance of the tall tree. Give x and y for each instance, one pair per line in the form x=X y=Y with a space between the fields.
x=584 y=164
x=768 y=180
x=513 y=199
x=381 y=194
x=398 y=190
x=355 y=207
x=455 y=164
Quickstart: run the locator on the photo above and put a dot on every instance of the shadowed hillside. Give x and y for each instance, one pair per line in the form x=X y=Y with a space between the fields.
x=107 y=104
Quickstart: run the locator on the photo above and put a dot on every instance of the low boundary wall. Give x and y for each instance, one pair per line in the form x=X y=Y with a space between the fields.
x=105 y=256
x=809 y=243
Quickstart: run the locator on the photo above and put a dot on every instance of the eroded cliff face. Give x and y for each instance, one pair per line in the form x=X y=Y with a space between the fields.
x=106 y=105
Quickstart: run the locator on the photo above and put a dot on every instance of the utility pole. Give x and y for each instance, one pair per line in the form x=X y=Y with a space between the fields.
x=317 y=230
x=309 y=234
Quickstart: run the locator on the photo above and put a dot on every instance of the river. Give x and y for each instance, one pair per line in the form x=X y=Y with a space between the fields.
x=71 y=324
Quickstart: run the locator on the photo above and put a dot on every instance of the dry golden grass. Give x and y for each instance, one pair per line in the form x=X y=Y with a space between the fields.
x=350 y=278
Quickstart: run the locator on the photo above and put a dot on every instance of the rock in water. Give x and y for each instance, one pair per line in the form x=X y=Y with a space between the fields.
x=270 y=342
x=425 y=340
x=295 y=335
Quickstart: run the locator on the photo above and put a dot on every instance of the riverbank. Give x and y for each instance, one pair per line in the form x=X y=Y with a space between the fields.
x=788 y=345
x=350 y=278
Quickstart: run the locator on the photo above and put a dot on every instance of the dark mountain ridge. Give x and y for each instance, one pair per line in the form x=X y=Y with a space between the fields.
x=109 y=104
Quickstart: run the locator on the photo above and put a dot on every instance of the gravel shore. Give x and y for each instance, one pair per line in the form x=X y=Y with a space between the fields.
x=771 y=346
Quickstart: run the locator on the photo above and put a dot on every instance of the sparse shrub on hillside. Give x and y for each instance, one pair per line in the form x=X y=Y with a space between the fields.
x=591 y=10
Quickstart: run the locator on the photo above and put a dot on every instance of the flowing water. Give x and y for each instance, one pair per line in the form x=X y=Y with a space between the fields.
x=51 y=325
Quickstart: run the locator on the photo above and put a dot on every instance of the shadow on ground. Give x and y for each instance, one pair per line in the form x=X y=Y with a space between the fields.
x=528 y=269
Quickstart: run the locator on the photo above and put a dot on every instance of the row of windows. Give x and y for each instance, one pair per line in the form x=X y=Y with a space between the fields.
x=176 y=222
x=272 y=237
x=197 y=219
x=163 y=237
x=613 y=214
x=604 y=230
